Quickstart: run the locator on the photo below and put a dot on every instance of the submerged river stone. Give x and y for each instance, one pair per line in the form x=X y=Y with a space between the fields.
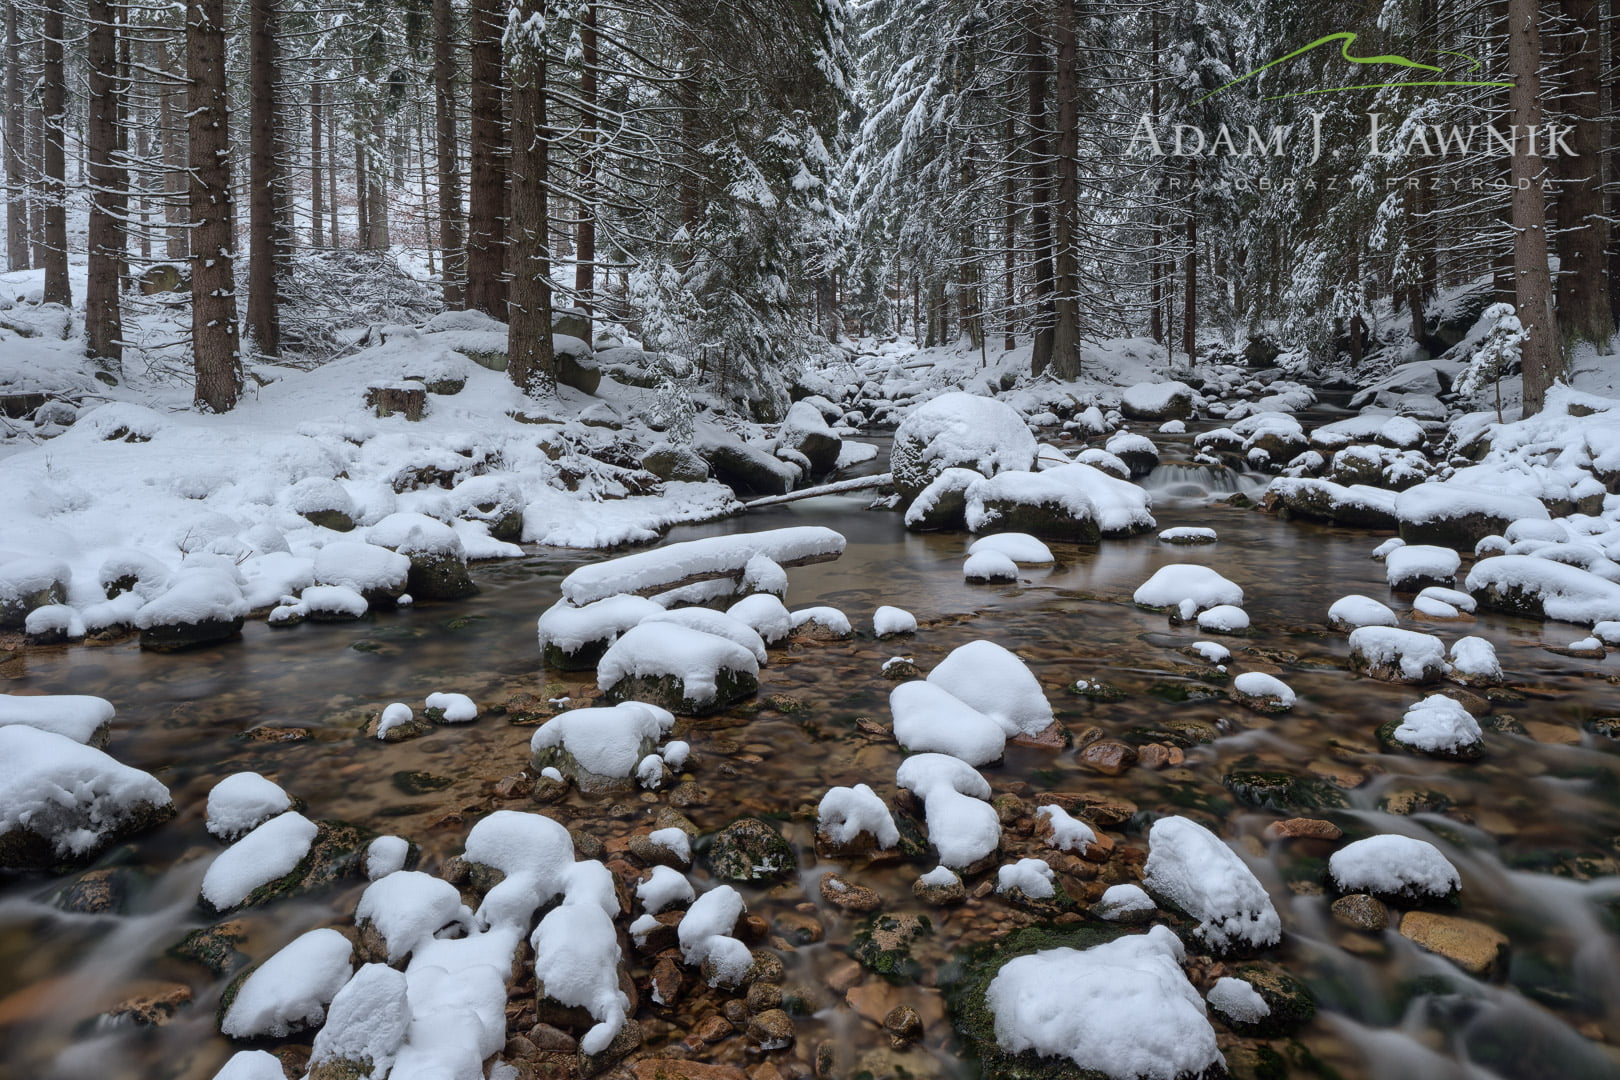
x=883 y=944
x=1289 y=1000
x=750 y=850
x=1267 y=790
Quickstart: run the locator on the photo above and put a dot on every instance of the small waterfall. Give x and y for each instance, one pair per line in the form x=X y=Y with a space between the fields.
x=1187 y=480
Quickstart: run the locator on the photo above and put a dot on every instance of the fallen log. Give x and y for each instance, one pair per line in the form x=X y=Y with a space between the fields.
x=837 y=487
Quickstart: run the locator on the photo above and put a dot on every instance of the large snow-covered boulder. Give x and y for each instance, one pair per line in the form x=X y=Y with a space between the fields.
x=438 y=558
x=289 y=991
x=994 y=681
x=745 y=466
x=27 y=583
x=62 y=801
x=269 y=853
x=1075 y=503
x=942 y=504
x=1157 y=401
x=600 y=748
x=1124 y=1009
x=1190 y=869
x=805 y=431
x=202 y=605
x=1187 y=588
x=677 y=668
x=1357 y=506
x=959 y=430
x=1529 y=585
x=575 y=638
x=82 y=718
x=1396 y=867
x=376 y=573
x=1455 y=516
x=1395 y=655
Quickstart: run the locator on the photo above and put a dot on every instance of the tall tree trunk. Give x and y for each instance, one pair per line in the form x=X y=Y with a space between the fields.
x=264 y=178
x=54 y=111
x=486 y=208
x=103 y=327
x=360 y=132
x=1156 y=274
x=1009 y=234
x=214 y=338
x=1614 y=166
x=333 y=221
x=1040 y=194
x=1189 y=313
x=1541 y=353
x=585 y=232
x=1066 y=208
x=1583 y=289
x=171 y=117
x=377 y=180
x=16 y=170
x=531 y=358
x=317 y=208
x=34 y=151
x=453 y=257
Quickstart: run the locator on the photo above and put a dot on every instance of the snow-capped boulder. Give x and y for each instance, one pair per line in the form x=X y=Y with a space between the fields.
x=1136 y=452
x=943 y=503
x=1437 y=726
x=1351 y=612
x=1157 y=401
x=1394 y=867
x=376 y=573
x=1174 y=586
x=1359 y=506
x=1413 y=567
x=400 y=913
x=989 y=567
x=958 y=430
x=997 y=683
x=202 y=605
x=1473 y=662
x=365 y=1027
x=242 y=802
x=706 y=939
x=1527 y=585
x=575 y=638
x=80 y=717
x=1019 y=547
x=853 y=820
x=962 y=825
x=1394 y=655
x=805 y=431
x=289 y=991
x=576 y=968
x=1192 y=870
x=62 y=801
x=1457 y=516
x=438 y=557
x=1262 y=692
x=765 y=614
x=890 y=622
x=822 y=623
x=270 y=852
x=599 y=749
x=713 y=622
x=1223 y=619
x=1128 y=904
x=27 y=583
x=928 y=719
x=677 y=668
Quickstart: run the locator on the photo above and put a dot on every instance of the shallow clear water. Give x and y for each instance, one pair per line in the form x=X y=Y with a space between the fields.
x=1533 y=827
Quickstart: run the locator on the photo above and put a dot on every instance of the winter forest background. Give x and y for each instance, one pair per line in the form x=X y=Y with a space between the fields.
x=742 y=183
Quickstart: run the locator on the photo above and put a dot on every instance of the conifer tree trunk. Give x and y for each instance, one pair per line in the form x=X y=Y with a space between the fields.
x=531 y=358
x=1066 y=207
x=1189 y=313
x=16 y=169
x=171 y=117
x=453 y=257
x=1009 y=236
x=585 y=231
x=53 y=108
x=103 y=327
x=1614 y=165
x=377 y=179
x=1582 y=292
x=486 y=208
x=317 y=208
x=214 y=337
x=1541 y=353
x=1040 y=196
x=263 y=322
x=34 y=152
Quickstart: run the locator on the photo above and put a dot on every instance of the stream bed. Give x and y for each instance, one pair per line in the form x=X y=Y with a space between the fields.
x=1533 y=827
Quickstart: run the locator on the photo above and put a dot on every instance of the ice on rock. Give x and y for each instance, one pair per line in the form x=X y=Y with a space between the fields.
x=386 y=855
x=665 y=888
x=990 y=567
x=1394 y=655
x=72 y=797
x=663 y=567
x=453 y=708
x=1394 y=866
x=1237 y=1000
x=1031 y=877
x=1190 y=868
x=888 y=621
x=845 y=813
x=290 y=990
x=1223 y=619
x=659 y=650
x=765 y=614
x=1351 y=612
x=252 y=1065
x=1526 y=584
x=367 y=1021
x=576 y=964
x=395 y=715
x=1065 y=833
x=705 y=936
x=1439 y=725
x=717 y=623
x=930 y=719
x=79 y=717
x=243 y=801
x=1415 y=565
x=1204 y=588
x=996 y=682
x=1123 y=1009
x=408 y=908
x=1124 y=903
x=830 y=619
x=272 y=850
x=1019 y=547
x=569 y=629
x=962 y=825
x=1266 y=690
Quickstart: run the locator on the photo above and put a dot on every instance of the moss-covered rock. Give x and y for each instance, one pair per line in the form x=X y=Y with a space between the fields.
x=883 y=944
x=669 y=691
x=750 y=850
x=214 y=947
x=1290 y=1001
x=1268 y=790
x=438 y=577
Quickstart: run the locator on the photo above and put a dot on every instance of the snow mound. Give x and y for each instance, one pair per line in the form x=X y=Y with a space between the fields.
x=243 y=801
x=664 y=888
x=1019 y=547
x=962 y=826
x=271 y=851
x=845 y=813
x=1266 y=689
x=408 y=908
x=1414 y=565
x=958 y=430
x=1124 y=902
x=366 y=568
x=989 y=566
x=386 y=855
x=608 y=741
x=76 y=716
x=716 y=623
x=1171 y=585
x=829 y=619
x=196 y=594
x=1031 y=877
x=367 y=1021
x=1385 y=652
x=291 y=989
x=929 y=719
x=570 y=628
x=73 y=797
x=1526 y=584
x=1397 y=866
x=1354 y=611
x=1223 y=619
x=1124 y=1009
x=659 y=650
x=705 y=936
x=453 y=708
x=1065 y=833
x=888 y=621
x=576 y=963
x=1236 y=1000
x=661 y=568
x=1188 y=534
x=996 y=682
x=1212 y=651
x=1190 y=868
x=1439 y=725
x=1075 y=493
x=765 y=614
x=416 y=534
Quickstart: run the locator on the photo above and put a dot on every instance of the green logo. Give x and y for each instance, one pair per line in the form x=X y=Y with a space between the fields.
x=1346 y=39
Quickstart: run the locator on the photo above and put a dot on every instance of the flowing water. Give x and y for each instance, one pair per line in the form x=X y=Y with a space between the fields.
x=1533 y=827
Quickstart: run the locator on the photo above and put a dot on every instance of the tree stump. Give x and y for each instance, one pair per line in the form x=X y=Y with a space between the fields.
x=388 y=400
